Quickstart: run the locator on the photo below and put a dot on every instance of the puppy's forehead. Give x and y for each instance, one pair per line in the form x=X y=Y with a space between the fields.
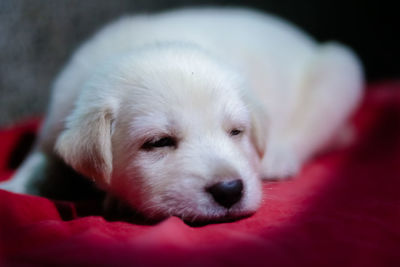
x=202 y=112
x=172 y=87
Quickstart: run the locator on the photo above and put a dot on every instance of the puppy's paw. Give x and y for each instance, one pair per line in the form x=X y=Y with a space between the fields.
x=280 y=162
x=13 y=185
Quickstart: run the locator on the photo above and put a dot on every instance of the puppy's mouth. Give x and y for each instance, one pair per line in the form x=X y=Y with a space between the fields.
x=217 y=214
x=212 y=216
x=125 y=212
x=130 y=215
x=230 y=216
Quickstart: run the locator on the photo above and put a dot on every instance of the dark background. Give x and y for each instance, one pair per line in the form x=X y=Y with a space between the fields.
x=36 y=37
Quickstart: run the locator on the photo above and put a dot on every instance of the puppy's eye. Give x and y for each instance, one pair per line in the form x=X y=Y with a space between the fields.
x=167 y=141
x=235 y=132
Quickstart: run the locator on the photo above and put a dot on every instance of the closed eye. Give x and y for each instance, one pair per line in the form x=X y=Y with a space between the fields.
x=236 y=131
x=167 y=141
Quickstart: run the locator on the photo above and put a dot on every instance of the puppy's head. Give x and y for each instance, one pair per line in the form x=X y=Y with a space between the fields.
x=167 y=130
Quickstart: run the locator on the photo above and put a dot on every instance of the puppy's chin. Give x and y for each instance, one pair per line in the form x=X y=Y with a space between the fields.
x=196 y=219
x=115 y=209
x=225 y=217
x=202 y=211
x=229 y=217
x=133 y=216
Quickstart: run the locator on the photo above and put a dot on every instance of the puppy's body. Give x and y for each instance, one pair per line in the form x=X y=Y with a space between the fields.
x=239 y=94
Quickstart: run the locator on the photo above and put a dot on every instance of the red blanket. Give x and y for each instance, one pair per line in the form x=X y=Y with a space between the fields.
x=343 y=209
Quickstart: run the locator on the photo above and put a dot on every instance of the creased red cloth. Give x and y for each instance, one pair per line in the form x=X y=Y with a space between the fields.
x=343 y=209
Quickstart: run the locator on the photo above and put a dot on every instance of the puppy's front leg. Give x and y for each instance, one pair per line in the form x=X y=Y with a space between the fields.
x=27 y=175
x=330 y=91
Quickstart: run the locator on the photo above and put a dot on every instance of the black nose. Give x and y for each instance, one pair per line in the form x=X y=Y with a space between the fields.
x=227 y=193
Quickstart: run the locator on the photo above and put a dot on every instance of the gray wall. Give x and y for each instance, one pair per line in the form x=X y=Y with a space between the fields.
x=37 y=36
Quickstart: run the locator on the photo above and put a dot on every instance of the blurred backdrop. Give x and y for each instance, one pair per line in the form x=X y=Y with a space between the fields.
x=36 y=37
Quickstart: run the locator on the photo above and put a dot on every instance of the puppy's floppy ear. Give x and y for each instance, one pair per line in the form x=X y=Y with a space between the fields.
x=85 y=144
x=258 y=119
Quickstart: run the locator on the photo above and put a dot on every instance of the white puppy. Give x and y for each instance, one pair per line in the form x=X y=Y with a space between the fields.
x=181 y=113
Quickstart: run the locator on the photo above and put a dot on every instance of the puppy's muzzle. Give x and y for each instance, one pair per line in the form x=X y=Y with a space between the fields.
x=227 y=193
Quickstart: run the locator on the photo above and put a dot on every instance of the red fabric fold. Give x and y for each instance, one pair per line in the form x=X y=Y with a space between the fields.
x=343 y=209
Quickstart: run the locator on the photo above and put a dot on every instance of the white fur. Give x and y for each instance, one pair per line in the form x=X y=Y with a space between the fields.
x=196 y=75
x=20 y=182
